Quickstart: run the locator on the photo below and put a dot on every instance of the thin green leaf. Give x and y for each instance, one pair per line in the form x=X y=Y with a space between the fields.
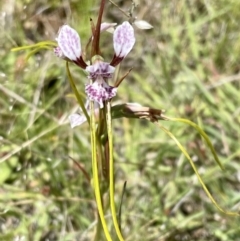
x=203 y=134
x=29 y=55
x=79 y=99
x=196 y=172
x=37 y=45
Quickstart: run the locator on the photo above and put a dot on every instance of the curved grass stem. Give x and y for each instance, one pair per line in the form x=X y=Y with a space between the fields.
x=43 y=44
x=196 y=172
x=203 y=134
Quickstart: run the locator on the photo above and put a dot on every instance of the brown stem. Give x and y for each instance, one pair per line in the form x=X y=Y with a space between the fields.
x=82 y=169
x=106 y=164
x=118 y=82
x=96 y=36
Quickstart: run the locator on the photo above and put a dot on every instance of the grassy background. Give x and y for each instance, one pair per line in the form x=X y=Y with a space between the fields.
x=188 y=64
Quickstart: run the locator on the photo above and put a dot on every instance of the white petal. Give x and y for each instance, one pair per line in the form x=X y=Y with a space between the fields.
x=109 y=27
x=143 y=24
x=123 y=39
x=69 y=42
x=100 y=68
x=133 y=104
x=76 y=120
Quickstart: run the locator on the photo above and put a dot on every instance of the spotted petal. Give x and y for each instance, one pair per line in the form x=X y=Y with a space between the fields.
x=69 y=43
x=123 y=39
x=100 y=91
x=103 y=69
x=58 y=52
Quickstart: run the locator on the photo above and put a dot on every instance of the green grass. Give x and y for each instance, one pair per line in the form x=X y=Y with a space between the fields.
x=188 y=64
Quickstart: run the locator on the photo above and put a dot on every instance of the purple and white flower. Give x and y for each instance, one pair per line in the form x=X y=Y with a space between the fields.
x=69 y=48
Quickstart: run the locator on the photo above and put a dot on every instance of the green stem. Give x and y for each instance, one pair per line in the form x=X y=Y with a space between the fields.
x=79 y=99
x=111 y=172
x=96 y=184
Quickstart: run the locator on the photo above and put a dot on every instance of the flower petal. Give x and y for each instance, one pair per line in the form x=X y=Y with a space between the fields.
x=76 y=120
x=107 y=27
x=142 y=24
x=123 y=39
x=69 y=43
x=58 y=52
x=100 y=92
x=103 y=69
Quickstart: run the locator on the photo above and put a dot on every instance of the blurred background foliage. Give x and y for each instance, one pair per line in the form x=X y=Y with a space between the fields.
x=188 y=65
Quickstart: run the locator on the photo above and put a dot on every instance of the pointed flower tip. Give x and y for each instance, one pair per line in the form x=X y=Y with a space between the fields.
x=142 y=24
x=69 y=44
x=123 y=39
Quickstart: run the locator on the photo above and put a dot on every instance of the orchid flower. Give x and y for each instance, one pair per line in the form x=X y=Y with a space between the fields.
x=99 y=72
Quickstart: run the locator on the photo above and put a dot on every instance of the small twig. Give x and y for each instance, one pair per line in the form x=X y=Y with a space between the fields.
x=118 y=82
x=82 y=169
x=119 y=8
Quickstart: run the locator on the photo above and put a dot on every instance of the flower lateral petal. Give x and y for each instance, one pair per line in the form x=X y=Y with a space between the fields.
x=69 y=43
x=123 y=39
x=76 y=120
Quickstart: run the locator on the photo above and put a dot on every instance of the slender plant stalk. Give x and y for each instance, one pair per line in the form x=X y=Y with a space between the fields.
x=96 y=184
x=79 y=99
x=111 y=172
